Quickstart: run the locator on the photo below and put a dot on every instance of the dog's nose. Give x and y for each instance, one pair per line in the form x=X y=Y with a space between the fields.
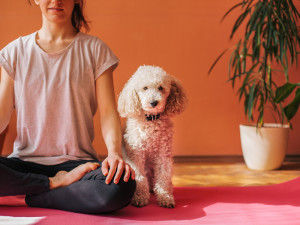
x=154 y=103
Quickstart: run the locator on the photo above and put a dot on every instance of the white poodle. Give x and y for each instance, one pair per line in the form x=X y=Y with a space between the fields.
x=148 y=100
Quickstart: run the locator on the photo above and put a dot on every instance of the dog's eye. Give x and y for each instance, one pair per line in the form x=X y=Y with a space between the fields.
x=160 y=88
x=145 y=88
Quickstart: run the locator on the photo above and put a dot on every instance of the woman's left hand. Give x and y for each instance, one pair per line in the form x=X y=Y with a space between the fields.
x=114 y=165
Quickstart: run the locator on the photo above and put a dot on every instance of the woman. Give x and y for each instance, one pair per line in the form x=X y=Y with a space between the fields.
x=56 y=78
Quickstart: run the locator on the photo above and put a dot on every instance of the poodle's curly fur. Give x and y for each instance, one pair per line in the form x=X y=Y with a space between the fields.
x=148 y=100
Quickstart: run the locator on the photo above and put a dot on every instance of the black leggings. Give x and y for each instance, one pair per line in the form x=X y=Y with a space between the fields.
x=89 y=195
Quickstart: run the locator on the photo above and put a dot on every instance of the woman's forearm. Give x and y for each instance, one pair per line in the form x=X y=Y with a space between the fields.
x=112 y=134
x=109 y=117
x=6 y=99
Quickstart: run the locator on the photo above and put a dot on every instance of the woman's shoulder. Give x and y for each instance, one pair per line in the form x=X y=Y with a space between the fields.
x=21 y=41
x=28 y=36
x=91 y=39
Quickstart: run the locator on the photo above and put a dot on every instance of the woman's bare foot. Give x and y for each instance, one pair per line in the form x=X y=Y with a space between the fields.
x=64 y=178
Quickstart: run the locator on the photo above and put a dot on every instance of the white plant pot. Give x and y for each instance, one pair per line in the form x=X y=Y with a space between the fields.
x=264 y=148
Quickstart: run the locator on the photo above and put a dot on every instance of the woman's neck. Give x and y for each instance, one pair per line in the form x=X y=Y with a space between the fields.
x=55 y=32
x=55 y=37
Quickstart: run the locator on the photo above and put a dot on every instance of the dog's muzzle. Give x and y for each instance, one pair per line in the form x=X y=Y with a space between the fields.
x=152 y=117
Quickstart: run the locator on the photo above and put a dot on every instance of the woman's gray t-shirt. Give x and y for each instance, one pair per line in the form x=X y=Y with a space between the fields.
x=55 y=97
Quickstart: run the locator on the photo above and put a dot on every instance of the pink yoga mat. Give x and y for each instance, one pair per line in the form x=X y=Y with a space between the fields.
x=274 y=204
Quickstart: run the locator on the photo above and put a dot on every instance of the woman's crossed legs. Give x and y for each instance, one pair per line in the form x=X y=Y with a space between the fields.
x=80 y=188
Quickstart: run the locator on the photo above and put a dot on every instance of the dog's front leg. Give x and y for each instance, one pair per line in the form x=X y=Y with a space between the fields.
x=136 y=160
x=163 y=187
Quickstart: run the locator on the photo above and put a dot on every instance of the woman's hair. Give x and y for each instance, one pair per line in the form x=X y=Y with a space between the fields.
x=78 y=19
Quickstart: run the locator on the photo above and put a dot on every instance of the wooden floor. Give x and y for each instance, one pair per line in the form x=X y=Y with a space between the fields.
x=231 y=172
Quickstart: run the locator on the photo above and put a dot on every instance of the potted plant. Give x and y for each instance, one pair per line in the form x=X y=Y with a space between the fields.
x=267 y=48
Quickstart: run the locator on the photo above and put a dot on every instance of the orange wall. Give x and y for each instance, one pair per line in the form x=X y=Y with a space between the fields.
x=182 y=36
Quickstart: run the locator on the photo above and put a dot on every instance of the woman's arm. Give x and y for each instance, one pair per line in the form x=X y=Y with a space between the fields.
x=6 y=99
x=111 y=129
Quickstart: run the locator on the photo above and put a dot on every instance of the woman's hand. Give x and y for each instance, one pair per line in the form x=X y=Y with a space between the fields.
x=115 y=165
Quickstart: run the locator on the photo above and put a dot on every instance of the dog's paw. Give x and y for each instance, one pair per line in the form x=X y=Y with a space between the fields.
x=166 y=201
x=139 y=200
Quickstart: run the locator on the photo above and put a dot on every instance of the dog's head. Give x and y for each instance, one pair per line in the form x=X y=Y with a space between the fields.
x=151 y=91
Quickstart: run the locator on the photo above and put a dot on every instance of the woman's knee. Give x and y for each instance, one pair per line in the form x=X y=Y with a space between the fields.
x=89 y=196
x=115 y=196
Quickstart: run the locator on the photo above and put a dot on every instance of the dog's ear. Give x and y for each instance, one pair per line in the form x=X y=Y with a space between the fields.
x=177 y=100
x=128 y=103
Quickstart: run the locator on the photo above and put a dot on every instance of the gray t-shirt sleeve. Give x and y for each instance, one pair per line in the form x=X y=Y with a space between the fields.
x=104 y=58
x=8 y=58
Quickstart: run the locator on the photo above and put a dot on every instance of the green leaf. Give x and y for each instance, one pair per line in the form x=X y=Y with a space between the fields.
x=250 y=101
x=235 y=6
x=250 y=71
x=261 y=109
x=281 y=48
x=294 y=9
x=253 y=19
x=291 y=109
x=246 y=102
x=284 y=91
x=239 y=21
x=269 y=36
x=233 y=56
x=215 y=62
x=241 y=92
x=244 y=53
x=286 y=68
x=282 y=113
